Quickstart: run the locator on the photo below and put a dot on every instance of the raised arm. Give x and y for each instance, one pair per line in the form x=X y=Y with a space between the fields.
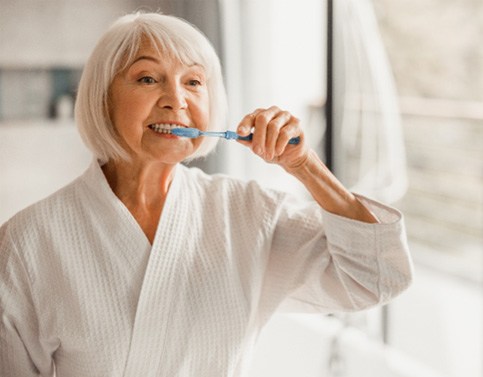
x=272 y=129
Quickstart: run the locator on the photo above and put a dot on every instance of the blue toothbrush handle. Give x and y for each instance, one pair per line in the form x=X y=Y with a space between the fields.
x=234 y=135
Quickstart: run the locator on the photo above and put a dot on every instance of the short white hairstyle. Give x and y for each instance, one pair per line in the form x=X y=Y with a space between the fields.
x=116 y=50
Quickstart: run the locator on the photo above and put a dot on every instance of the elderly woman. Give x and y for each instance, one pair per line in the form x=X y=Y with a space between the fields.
x=144 y=267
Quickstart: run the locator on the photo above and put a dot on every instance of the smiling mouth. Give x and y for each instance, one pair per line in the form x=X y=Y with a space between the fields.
x=164 y=128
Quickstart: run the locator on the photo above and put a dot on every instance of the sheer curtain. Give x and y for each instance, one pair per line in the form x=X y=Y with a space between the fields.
x=369 y=150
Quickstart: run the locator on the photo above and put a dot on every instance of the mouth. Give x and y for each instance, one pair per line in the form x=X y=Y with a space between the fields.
x=164 y=128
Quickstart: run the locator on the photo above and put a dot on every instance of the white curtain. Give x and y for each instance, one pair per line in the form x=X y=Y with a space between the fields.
x=369 y=148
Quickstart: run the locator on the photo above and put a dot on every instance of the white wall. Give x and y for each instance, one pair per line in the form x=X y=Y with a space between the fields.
x=36 y=159
x=43 y=33
x=277 y=57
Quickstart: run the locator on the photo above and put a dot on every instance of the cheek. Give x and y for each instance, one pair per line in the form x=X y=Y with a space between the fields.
x=127 y=112
x=202 y=115
x=126 y=106
x=206 y=119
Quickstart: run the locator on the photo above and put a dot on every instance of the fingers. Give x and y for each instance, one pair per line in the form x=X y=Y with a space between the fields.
x=272 y=130
x=290 y=130
x=247 y=123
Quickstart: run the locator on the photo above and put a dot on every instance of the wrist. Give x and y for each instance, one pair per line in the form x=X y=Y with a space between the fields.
x=300 y=166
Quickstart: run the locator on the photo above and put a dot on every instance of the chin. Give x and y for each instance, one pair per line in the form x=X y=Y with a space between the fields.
x=173 y=158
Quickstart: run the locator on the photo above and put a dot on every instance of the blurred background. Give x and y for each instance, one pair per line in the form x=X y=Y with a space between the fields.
x=391 y=97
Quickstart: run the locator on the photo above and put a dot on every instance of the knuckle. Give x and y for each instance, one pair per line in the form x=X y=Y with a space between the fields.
x=273 y=124
x=285 y=132
x=256 y=113
x=262 y=117
x=257 y=149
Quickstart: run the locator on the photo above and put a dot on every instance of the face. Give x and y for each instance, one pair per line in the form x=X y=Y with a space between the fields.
x=153 y=93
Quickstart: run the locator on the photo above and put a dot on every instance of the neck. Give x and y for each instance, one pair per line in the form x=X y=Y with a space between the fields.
x=140 y=183
x=142 y=188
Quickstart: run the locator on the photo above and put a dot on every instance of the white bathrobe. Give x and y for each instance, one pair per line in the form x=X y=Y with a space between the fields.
x=83 y=292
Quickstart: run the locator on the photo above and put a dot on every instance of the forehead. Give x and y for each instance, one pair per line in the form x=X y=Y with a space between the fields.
x=147 y=50
x=148 y=46
x=165 y=50
x=151 y=54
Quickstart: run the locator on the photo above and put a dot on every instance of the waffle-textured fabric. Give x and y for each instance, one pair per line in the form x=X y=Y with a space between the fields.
x=83 y=292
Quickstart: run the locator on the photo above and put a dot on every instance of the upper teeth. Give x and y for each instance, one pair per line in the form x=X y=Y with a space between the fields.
x=163 y=127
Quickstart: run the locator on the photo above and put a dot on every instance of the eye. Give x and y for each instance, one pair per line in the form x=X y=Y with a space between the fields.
x=147 y=80
x=194 y=82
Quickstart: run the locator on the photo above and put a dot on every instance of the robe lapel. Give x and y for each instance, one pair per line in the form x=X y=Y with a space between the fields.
x=158 y=288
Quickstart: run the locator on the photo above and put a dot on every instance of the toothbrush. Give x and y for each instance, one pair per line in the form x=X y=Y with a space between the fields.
x=229 y=135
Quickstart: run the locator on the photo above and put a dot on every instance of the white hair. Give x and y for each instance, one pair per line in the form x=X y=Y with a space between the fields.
x=116 y=50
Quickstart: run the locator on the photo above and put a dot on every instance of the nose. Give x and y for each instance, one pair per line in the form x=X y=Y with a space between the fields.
x=172 y=97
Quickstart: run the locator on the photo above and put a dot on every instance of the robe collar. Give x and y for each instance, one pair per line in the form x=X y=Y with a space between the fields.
x=113 y=207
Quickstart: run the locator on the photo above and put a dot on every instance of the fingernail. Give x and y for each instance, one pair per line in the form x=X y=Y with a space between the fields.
x=243 y=130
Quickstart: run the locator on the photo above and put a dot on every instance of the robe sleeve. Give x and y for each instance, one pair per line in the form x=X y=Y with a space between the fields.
x=21 y=352
x=333 y=263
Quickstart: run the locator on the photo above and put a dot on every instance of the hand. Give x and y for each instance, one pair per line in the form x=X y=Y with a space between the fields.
x=272 y=129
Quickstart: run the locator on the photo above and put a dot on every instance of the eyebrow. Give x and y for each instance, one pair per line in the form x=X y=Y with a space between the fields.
x=146 y=57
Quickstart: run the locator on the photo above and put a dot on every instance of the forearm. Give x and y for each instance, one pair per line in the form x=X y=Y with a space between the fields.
x=327 y=191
